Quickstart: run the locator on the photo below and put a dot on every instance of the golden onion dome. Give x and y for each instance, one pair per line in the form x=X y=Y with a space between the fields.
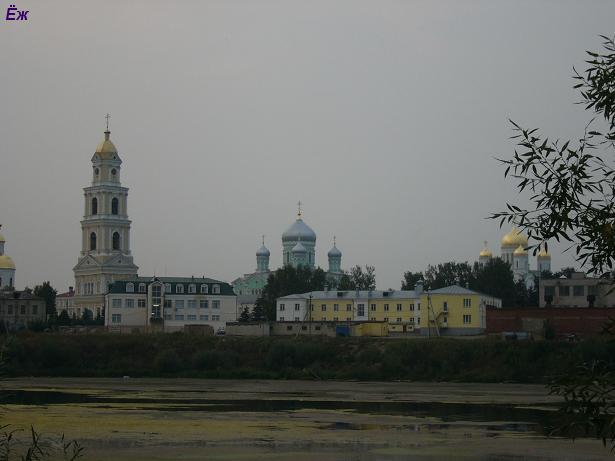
x=514 y=238
x=106 y=148
x=6 y=262
x=520 y=251
x=485 y=252
x=2 y=239
x=544 y=254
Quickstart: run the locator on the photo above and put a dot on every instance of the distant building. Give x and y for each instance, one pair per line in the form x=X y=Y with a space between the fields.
x=168 y=304
x=451 y=310
x=577 y=291
x=298 y=249
x=18 y=309
x=105 y=232
x=7 y=267
x=513 y=250
x=65 y=302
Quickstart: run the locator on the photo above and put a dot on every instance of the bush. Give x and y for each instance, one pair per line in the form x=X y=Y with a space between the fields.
x=168 y=361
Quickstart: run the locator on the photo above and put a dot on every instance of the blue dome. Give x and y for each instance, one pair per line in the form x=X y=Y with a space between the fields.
x=334 y=252
x=299 y=231
x=263 y=251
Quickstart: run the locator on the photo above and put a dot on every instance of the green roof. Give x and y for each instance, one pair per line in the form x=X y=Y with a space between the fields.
x=225 y=288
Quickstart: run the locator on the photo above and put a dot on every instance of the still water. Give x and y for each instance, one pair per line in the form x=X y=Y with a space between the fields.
x=294 y=420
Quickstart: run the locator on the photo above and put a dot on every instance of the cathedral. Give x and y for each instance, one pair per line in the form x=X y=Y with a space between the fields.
x=298 y=249
x=513 y=250
x=105 y=232
x=7 y=267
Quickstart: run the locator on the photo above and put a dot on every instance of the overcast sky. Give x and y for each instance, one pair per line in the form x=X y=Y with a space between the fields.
x=382 y=117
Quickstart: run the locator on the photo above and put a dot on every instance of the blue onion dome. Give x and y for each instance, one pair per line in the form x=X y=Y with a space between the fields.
x=299 y=248
x=299 y=231
x=334 y=252
x=263 y=251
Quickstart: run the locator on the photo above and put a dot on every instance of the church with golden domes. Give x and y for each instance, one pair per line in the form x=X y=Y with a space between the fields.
x=513 y=250
x=7 y=267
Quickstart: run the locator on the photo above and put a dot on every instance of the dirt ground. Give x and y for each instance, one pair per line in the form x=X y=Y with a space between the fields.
x=185 y=419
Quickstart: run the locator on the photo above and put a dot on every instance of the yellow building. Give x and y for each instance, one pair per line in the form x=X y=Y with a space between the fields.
x=455 y=311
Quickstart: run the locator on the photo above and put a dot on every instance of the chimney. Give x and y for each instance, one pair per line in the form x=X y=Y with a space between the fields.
x=71 y=291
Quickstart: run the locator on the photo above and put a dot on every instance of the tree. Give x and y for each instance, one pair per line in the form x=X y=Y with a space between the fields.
x=285 y=281
x=47 y=292
x=495 y=278
x=564 y=272
x=572 y=198
x=447 y=274
x=410 y=279
x=63 y=318
x=357 y=279
x=245 y=314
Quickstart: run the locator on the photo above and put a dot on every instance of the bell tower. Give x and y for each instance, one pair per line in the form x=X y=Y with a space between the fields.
x=105 y=231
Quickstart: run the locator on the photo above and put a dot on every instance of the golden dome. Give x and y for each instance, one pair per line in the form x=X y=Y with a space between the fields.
x=2 y=239
x=6 y=262
x=520 y=251
x=485 y=252
x=106 y=147
x=544 y=254
x=514 y=238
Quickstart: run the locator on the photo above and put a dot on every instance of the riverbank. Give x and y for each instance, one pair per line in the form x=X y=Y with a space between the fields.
x=180 y=355
x=182 y=419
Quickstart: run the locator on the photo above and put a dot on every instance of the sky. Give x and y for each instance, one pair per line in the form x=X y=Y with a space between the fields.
x=383 y=117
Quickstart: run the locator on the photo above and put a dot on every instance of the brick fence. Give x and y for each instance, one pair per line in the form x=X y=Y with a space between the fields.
x=585 y=321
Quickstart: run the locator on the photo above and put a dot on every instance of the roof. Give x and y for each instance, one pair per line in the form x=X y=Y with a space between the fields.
x=106 y=149
x=458 y=290
x=6 y=262
x=299 y=230
x=333 y=252
x=354 y=294
x=68 y=294
x=226 y=289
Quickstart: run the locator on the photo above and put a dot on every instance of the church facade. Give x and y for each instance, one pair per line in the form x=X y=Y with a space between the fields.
x=105 y=232
x=298 y=249
x=513 y=250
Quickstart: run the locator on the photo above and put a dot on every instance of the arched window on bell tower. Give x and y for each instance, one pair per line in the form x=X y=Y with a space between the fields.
x=93 y=241
x=116 y=241
x=94 y=205
x=114 y=205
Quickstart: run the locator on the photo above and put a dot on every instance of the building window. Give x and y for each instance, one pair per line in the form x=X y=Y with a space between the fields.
x=411 y=307
x=167 y=303
x=215 y=318
x=116 y=318
x=10 y=310
x=94 y=205
x=549 y=291
x=116 y=241
x=578 y=290
x=296 y=319
x=348 y=307
x=445 y=306
x=179 y=288
x=324 y=319
x=141 y=287
x=179 y=316
x=215 y=304
x=203 y=304
x=141 y=303
x=398 y=319
x=411 y=319
x=281 y=319
x=336 y=308
x=323 y=308
x=216 y=289
x=92 y=241
x=130 y=302
x=467 y=318
x=168 y=316
x=23 y=310
x=282 y=307
x=564 y=290
x=386 y=308
x=467 y=302
x=191 y=288
x=191 y=317
x=179 y=304
x=399 y=308
x=373 y=319
x=297 y=306
x=130 y=288
x=116 y=303
x=373 y=307
x=361 y=310
x=204 y=288
x=386 y=319
x=204 y=317
x=167 y=288
x=418 y=320
x=114 y=205
x=34 y=310
x=191 y=304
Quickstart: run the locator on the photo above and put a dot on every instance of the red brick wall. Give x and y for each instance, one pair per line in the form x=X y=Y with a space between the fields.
x=564 y=320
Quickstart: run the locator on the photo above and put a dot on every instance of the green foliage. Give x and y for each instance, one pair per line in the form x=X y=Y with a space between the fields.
x=358 y=279
x=410 y=279
x=38 y=449
x=447 y=274
x=245 y=314
x=285 y=281
x=48 y=293
x=495 y=278
x=168 y=361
